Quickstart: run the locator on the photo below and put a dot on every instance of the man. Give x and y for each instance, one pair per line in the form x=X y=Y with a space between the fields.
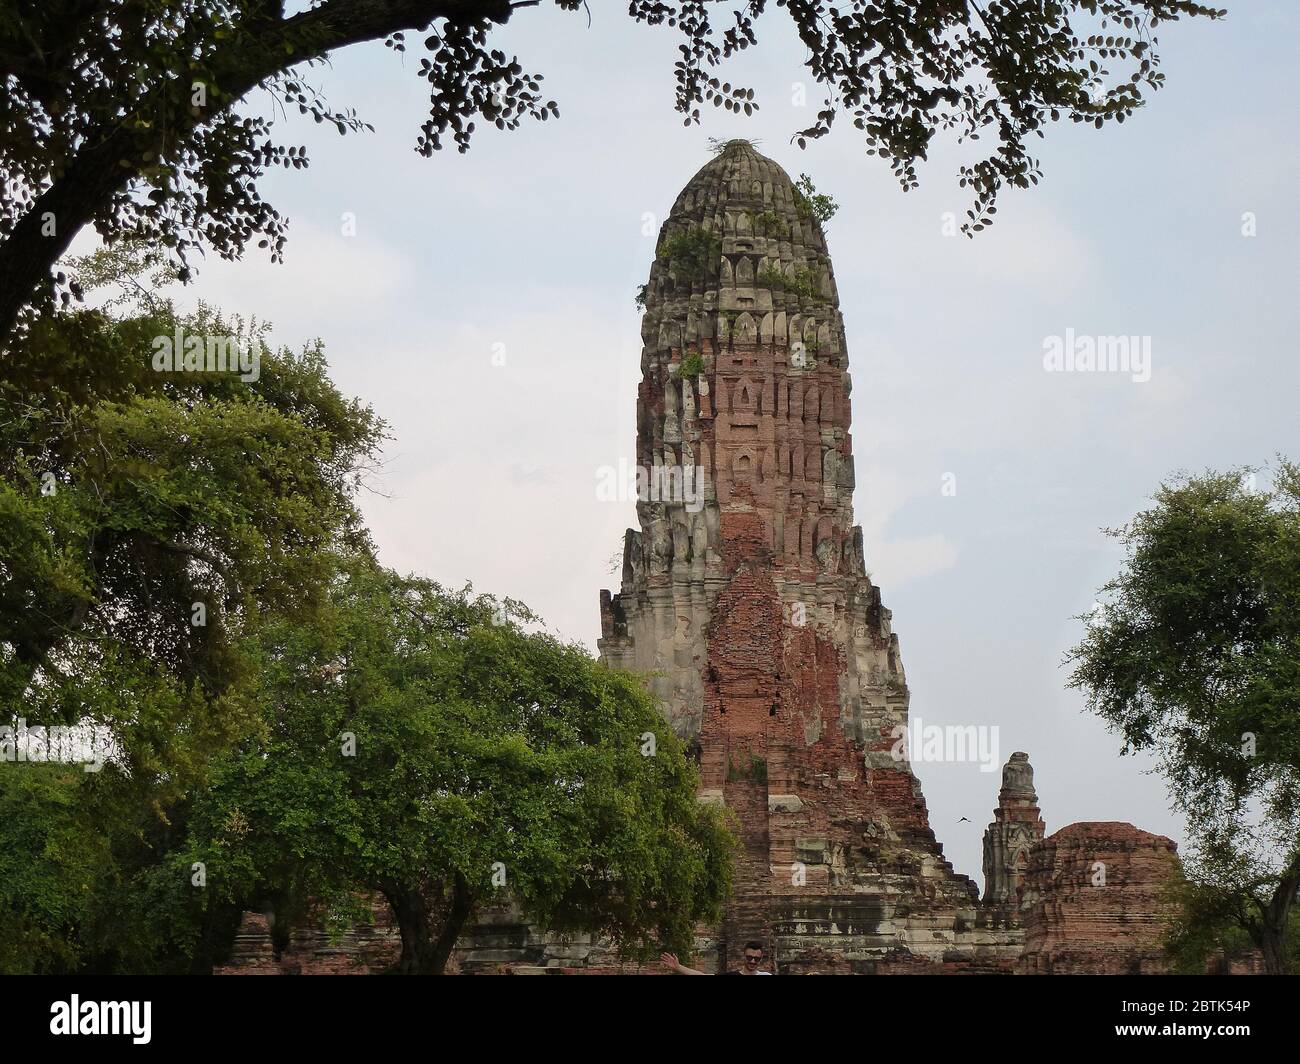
x=753 y=958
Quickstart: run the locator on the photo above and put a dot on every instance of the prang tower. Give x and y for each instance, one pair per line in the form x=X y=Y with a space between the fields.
x=749 y=604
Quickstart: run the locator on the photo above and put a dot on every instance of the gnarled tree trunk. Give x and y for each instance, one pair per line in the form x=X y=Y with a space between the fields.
x=1273 y=926
x=430 y=920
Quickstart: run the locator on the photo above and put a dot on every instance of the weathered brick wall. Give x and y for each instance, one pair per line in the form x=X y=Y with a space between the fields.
x=363 y=950
x=1096 y=901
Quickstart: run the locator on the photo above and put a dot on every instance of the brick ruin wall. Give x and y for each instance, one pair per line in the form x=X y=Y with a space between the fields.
x=1095 y=902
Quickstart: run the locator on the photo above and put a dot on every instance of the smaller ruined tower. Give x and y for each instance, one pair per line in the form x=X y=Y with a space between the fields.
x=1017 y=825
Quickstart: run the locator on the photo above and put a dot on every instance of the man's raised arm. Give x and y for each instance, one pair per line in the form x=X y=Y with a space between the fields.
x=671 y=962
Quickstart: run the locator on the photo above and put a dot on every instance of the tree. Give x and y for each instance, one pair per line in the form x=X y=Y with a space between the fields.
x=423 y=747
x=1194 y=654
x=131 y=495
x=48 y=866
x=1212 y=924
x=149 y=523
x=125 y=114
x=94 y=878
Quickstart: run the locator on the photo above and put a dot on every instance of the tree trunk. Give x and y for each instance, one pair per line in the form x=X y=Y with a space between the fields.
x=429 y=932
x=1273 y=926
x=1274 y=952
x=458 y=914
x=413 y=922
x=28 y=254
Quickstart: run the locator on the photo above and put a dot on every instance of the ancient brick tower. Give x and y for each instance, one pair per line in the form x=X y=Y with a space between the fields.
x=745 y=597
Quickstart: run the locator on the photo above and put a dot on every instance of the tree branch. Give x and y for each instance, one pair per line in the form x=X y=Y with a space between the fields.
x=97 y=172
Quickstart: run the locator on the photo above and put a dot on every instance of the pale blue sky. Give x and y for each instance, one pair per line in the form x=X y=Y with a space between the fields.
x=534 y=240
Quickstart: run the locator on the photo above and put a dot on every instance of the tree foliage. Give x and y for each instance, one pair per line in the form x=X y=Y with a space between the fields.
x=813 y=204
x=1194 y=655
x=1213 y=927
x=423 y=747
x=127 y=498
x=129 y=495
x=130 y=114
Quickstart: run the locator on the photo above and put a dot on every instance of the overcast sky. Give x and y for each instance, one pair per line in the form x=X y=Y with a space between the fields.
x=535 y=240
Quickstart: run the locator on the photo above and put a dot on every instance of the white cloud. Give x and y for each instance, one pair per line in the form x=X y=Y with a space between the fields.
x=326 y=280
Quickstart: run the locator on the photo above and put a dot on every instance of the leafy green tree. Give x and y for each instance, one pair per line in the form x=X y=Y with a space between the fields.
x=129 y=496
x=49 y=864
x=1194 y=654
x=1212 y=926
x=424 y=747
x=149 y=522
x=128 y=114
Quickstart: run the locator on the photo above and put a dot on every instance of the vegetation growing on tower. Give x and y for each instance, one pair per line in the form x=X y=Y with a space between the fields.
x=756 y=770
x=813 y=204
x=692 y=365
x=769 y=223
x=691 y=252
x=801 y=282
x=719 y=146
